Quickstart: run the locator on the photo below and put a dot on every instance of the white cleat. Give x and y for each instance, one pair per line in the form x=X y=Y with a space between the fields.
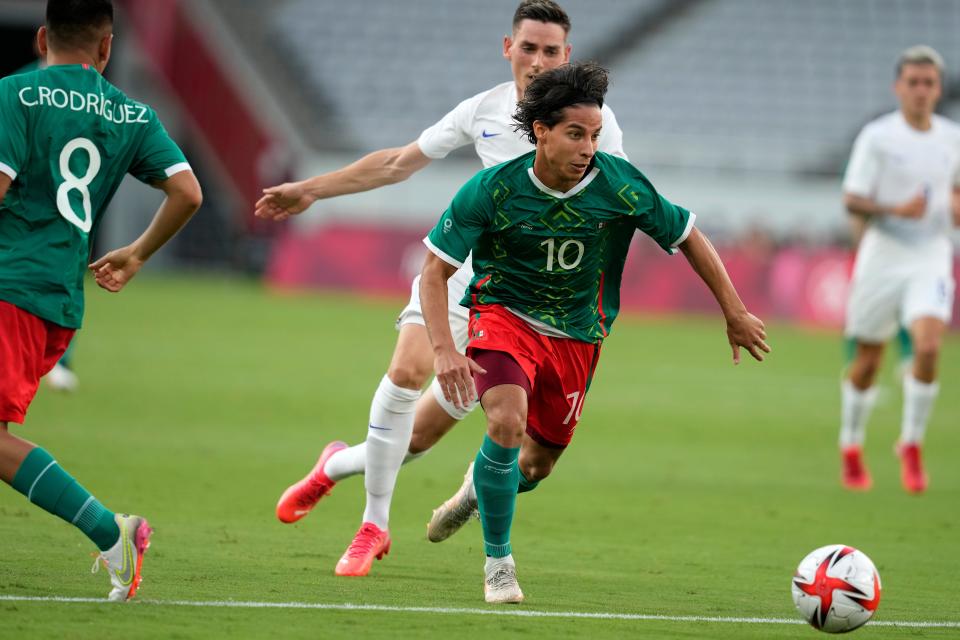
x=500 y=585
x=455 y=512
x=124 y=559
x=61 y=378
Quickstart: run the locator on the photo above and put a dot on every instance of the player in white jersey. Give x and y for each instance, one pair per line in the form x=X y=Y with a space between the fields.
x=904 y=177
x=403 y=424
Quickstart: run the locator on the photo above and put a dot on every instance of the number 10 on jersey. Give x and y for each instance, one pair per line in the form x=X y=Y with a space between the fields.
x=561 y=256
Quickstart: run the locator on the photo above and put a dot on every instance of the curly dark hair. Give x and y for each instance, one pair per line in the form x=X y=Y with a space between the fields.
x=75 y=24
x=553 y=91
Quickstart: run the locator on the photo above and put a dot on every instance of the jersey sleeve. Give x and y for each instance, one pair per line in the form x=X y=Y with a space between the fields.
x=462 y=224
x=611 y=136
x=451 y=132
x=666 y=223
x=158 y=156
x=863 y=169
x=13 y=130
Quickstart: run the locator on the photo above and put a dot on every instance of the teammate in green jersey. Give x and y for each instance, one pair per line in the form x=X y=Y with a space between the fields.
x=67 y=138
x=549 y=233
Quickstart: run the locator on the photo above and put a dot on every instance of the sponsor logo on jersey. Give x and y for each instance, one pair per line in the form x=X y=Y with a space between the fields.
x=488 y=135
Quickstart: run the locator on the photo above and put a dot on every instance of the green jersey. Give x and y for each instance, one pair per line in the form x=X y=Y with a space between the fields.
x=555 y=259
x=67 y=138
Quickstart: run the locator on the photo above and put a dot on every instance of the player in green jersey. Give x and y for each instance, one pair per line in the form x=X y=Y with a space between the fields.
x=67 y=139
x=549 y=233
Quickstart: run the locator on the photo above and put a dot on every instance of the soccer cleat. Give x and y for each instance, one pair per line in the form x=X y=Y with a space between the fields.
x=455 y=512
x=500 y=585
x=911 y=468
x=124 y=559
x=370 y=542
x=855 y=474
x=60 y=378
x=300 y=498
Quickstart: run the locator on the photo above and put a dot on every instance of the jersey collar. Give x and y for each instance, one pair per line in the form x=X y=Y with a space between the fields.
x=577 y=188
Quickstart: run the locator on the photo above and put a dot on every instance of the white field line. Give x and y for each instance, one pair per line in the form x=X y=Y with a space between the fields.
x=516 y=613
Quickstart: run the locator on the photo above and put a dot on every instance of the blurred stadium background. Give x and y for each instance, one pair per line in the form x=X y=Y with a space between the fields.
x=743 y=110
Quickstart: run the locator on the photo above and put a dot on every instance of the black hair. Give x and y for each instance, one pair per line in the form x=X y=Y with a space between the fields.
x=541 y=11
x=77 y=24
x=553 y=91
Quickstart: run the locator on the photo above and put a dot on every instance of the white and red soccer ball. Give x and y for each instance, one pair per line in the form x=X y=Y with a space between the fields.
x=836 y=588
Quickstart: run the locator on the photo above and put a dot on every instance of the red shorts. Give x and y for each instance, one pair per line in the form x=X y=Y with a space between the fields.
x=558 y=370
x=29 y=347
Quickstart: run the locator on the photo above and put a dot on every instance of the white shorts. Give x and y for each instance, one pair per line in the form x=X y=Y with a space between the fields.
x=457 y=314
x=895 y=286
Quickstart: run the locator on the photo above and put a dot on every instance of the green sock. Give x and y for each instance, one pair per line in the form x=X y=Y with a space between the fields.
x=526 y=485
x=48 y=486
x=849 y=349
x=495 y=477
x=905 y=343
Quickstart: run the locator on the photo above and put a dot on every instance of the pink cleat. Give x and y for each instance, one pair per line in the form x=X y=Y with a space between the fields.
x=124 y=560
x=300 y=498
x=370 y=542
x=855 y=474
x=911 y=468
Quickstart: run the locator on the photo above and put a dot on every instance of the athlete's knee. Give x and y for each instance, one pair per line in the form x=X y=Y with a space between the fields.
x=506 y=423
x=408 y=375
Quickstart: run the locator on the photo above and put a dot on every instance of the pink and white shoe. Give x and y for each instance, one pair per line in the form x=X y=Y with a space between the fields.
x=300 y=498
x=124 y=560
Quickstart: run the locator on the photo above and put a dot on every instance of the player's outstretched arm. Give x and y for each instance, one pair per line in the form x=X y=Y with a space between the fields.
x=743 y=328
x=454 y=370
x=387 y=166
x=117 y=268
x=5 y=183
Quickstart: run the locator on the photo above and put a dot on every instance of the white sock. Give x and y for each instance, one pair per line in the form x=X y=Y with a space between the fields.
x=856 y=407
x=493 y=563
x=918 y=398
x=353 y=461
x=388 y=438
x=346 y=462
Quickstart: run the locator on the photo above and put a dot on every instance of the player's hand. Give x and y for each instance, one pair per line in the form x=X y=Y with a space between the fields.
x=455 y=374
x=913 y=208
x=747 y=331
x=285 y=200
x=116 y=269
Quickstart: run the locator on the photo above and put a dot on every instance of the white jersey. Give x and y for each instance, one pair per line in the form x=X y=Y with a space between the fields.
x=892 y=162
x=486 y=121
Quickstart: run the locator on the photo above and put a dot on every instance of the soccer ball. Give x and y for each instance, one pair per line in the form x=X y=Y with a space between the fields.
x=836 y=588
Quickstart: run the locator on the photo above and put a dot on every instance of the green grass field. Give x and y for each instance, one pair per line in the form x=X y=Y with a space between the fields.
x=693 y=488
